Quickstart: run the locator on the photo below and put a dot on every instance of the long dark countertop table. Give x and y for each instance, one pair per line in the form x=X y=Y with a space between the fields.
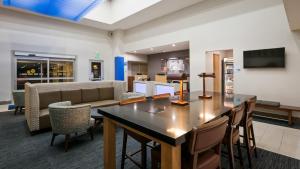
x=170 y=123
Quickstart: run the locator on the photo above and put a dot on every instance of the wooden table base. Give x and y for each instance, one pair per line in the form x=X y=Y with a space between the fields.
x=171 y=155
x=109 y=144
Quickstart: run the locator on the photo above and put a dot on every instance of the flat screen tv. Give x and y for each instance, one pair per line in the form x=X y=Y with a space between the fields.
x=265 y=58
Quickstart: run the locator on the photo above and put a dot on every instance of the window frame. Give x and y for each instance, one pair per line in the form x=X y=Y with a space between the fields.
x=46 y=58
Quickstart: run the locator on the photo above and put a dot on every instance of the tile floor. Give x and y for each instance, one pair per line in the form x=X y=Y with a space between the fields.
x=274 y=138
x=278 y=139
x=3 y=107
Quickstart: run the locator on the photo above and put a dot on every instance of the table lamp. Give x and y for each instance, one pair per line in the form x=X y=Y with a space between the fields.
x=181 y=77
x=205 y=75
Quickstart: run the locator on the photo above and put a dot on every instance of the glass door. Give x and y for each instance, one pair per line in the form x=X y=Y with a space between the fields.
x=43 y=70
x=61 y=71
x=31 y=70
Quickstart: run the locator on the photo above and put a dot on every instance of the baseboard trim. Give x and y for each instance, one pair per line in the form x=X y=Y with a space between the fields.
x=275 y=116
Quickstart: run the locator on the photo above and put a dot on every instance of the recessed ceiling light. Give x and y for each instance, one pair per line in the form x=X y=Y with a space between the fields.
x=173 y=44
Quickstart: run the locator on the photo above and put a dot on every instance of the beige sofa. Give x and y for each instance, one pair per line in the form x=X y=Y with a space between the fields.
x=39 y=96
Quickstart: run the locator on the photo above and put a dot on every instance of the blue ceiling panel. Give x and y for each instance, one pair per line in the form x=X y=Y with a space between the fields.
x=66 y=9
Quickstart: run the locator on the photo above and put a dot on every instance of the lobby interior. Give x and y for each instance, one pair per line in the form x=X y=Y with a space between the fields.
x=150 y=84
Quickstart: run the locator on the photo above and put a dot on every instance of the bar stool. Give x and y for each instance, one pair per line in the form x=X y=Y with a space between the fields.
x=232 y=136
x=201 y=153
x=248 y=131
x=142 y=140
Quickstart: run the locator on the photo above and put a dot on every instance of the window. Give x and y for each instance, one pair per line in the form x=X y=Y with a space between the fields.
x=43 y=70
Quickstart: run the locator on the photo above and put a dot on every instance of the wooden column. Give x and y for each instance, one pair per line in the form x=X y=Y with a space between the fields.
x=170 y=156
x=109 y=144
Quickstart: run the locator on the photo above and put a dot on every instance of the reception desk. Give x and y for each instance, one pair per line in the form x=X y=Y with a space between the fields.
x=151 y=88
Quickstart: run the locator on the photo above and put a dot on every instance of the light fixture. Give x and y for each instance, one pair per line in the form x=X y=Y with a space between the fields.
x=72 y=10
x=151 y=49
x=173 y=44
x=134 y=51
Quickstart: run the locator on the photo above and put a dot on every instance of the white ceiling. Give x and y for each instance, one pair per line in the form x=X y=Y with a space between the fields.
x=125 y=14
x=162 y=49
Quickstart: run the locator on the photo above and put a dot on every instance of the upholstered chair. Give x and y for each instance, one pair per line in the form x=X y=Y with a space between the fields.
x=248 y=131
x=67 y=119
x=201 y=153
x=19 y=100
x=232 y=136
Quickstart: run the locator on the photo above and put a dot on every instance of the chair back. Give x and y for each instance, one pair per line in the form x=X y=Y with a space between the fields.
x=133 y=100
x=237 y=115
x=250 y=106
x=19 y=97
x=208 y=135
x=66 y=119
x=161 y=96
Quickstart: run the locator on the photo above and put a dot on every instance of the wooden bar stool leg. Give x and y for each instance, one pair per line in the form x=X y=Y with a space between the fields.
x=230 y=154
x=240 y=153
x=144 y=155
x=253 y=140
x=248 y=145
x=124 y=149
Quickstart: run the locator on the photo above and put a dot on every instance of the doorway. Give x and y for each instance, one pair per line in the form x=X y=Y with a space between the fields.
x=220 y=62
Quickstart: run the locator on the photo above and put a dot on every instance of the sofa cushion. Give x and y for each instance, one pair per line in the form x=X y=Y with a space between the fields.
x=48 y=98
x=71 y=95
x=44 y=119
x=106 y=93
x=103 y=103
x=89 y=95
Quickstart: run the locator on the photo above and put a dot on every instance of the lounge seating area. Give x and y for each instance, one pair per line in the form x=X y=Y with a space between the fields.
x=39 y=96
x=153 y=84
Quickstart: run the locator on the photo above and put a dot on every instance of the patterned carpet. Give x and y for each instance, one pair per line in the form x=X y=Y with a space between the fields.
x=19 y=150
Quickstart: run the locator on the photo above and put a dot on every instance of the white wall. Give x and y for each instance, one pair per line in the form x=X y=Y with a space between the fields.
x=238 y=25
x=136 y=57
x=33 y=33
